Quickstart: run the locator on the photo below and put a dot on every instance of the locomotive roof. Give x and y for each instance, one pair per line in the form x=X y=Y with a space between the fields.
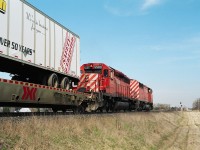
x=117 y=72
x=120 y=74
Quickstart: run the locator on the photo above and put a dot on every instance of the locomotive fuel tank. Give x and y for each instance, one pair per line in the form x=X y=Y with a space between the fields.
x=121 y=106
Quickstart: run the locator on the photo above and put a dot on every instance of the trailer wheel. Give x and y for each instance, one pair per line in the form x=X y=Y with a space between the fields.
x=53 y=80
x=19 y=78
x=65 y=83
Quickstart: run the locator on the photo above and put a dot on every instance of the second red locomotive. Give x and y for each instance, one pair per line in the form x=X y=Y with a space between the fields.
x=112 y=89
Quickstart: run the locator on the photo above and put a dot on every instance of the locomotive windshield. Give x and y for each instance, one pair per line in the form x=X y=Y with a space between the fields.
x=95 y=69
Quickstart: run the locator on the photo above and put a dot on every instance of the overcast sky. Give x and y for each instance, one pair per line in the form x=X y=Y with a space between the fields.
x=154 y=41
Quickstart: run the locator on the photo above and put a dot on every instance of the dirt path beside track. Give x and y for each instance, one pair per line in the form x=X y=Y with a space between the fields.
x=186 y=136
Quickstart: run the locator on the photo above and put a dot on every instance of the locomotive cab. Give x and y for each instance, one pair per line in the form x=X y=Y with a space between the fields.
x=94 y=77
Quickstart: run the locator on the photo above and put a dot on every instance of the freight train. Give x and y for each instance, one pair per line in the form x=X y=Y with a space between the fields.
x=101 y=88
x=43 y=57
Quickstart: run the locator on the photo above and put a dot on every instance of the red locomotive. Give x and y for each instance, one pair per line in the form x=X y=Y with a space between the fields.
x=112 y=89
x=142 y=93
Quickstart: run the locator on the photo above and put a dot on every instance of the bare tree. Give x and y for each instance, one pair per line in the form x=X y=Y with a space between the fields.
x=196 y=104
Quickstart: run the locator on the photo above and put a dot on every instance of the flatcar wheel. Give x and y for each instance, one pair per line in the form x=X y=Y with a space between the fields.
x=64 y=110
x=53 y=80
x=65 y=83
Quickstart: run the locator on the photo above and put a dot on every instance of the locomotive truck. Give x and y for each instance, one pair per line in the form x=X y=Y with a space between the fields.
x=35 y=48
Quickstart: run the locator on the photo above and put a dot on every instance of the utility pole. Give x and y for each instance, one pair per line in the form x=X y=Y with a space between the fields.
x=181 y=106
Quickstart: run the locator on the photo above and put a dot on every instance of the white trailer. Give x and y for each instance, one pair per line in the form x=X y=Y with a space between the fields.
x=35 y=48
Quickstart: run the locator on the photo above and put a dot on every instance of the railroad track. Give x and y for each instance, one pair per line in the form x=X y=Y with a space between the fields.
x=28 y=114
x=24 y=114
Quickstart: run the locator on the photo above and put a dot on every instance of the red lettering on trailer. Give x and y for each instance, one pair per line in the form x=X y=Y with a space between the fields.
x=29 y=93
x=67 y=53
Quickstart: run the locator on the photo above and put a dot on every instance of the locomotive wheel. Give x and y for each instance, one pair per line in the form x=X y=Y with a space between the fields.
x=65 y=83
x=101 y=110
x=53 y=80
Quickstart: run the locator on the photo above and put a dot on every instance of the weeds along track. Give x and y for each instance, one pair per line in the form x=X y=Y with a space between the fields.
x=117 y=131
x=136 y=130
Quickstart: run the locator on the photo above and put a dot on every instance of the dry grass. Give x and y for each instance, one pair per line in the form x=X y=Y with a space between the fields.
x=139 y=131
